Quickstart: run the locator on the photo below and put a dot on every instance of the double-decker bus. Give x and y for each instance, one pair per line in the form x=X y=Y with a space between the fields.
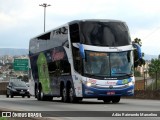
x=83 y=59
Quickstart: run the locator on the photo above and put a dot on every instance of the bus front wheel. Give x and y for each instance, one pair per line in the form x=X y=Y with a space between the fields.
x=116 y=99
x=107 y=100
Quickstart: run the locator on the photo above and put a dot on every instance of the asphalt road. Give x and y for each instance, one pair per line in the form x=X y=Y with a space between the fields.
x=50 y=108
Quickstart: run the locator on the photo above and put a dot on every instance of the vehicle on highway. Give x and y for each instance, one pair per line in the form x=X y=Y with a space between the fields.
x=17 y=87
x=27 y=84
x=83 y=59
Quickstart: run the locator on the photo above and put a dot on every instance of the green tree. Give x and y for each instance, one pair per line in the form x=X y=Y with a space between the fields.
x=137 y=61
x=137 y=40
x=137 y=73
x=154 y=69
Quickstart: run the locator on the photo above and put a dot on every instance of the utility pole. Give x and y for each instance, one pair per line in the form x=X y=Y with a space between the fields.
x=44 y=5
x=144 y=81
x=144 y=73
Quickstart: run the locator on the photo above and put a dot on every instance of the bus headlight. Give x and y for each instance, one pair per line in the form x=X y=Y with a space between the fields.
x=131 y=83
x=89 y=84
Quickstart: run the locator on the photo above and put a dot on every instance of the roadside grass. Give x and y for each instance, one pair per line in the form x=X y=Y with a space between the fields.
x=3 y=118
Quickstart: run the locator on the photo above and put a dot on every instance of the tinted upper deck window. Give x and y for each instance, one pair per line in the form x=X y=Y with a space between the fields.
x=104 y=33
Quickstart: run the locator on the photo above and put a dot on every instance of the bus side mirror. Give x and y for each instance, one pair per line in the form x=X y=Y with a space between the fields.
x=138 y=48
x=81 y=49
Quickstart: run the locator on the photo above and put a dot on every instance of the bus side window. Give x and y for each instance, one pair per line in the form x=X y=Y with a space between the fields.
x=66 y=43
x=65 y=67
x=77 y=60
x=75 y=38
x=74 y=33
x=52 y=67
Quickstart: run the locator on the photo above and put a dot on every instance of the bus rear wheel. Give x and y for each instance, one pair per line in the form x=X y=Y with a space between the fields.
x=40 y=95
x=72 y=98
x=64 y=94
x=37 y=94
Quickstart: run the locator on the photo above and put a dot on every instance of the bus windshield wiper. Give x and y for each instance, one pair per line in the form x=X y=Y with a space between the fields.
x=90 y=75
x=93 y=75
x=130 y=75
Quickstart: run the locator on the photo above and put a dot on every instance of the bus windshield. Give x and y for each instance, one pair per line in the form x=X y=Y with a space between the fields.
x=104 y=33
x=103 y=64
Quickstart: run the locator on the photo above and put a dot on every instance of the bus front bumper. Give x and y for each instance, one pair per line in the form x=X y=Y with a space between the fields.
x=94 y=92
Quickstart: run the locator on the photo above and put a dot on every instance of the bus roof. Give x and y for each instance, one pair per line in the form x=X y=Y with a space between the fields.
x=94 y=20
x=77 y=21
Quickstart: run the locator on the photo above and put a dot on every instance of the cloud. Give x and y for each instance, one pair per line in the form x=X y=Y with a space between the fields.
x=23 y=19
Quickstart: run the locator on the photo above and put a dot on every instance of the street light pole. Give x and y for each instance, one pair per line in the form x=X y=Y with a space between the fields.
x=44 y=5
x=144 y=73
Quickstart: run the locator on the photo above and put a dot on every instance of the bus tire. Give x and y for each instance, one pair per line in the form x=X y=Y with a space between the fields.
x=35 y=91
x=107 y=100
x=37 y=94
x=116 y=99
x=72 y=97
x=40 y=95
x=64 y=94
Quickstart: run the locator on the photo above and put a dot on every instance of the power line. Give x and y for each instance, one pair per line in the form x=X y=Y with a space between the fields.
x=154 y=31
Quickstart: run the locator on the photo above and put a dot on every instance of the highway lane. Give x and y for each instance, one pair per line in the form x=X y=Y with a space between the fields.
x=31 y=104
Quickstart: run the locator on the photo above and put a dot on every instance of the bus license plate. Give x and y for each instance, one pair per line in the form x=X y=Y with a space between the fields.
x=22 y=92
x=111 y=93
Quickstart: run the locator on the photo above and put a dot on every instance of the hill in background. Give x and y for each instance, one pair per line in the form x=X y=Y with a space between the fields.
x=13 y=51
x=149 y=57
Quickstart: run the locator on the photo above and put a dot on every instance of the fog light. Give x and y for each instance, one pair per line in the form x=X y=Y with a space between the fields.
x=131 y=91
x=88 y=91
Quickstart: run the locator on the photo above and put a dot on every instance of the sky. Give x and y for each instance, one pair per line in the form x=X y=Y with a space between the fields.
x=21 y=20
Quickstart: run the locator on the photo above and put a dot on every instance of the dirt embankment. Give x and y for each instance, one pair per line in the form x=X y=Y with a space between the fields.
x=3 y=87
x=146 y=94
